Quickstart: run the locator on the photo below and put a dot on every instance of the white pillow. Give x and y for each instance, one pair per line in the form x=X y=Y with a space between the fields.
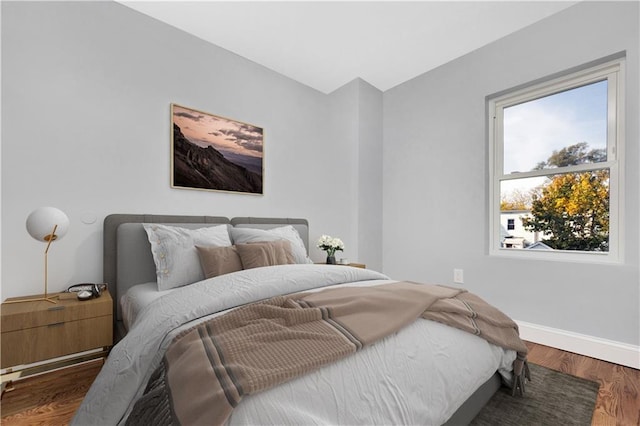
x=175 y=254
x=289 y=233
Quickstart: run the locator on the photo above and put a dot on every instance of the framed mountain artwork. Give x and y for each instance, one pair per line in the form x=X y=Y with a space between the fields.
x=214 y=153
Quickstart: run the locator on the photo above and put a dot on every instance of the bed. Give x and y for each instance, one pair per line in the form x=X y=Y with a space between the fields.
x=426 y=373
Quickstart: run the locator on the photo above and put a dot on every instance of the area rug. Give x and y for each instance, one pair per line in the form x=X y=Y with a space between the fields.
x=551 y=398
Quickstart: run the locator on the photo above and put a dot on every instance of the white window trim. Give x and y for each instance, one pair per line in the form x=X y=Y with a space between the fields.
x=614 y=72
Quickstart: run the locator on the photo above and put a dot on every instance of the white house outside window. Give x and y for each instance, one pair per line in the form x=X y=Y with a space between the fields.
x=555 y=160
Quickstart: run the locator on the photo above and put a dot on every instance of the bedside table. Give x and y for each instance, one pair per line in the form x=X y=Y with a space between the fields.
x=38 y=331
x=354 y=265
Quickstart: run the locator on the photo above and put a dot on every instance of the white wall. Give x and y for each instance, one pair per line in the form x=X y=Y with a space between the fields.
x=436 y=179
x=86 y=90
x=370 y=184
x=357 y=116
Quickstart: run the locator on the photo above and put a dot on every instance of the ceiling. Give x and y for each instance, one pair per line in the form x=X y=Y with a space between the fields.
x=326 y=44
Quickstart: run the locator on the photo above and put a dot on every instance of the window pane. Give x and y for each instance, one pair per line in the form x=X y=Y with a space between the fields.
x=567 y=211
x=558 y=130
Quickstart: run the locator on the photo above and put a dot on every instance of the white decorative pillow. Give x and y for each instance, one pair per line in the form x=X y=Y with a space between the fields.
x=175 y=254
x=253 y=235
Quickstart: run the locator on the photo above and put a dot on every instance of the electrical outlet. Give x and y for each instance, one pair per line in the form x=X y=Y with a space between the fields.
x=458 y=276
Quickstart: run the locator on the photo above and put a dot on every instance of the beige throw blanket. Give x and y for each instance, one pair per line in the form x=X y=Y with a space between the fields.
x=208 y=369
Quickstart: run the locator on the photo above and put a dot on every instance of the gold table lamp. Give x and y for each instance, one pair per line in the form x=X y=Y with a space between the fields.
x=46 y=224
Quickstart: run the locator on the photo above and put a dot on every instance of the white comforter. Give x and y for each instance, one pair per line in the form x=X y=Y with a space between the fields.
x=420 y=375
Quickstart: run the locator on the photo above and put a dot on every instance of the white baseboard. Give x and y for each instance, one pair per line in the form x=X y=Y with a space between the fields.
x=594 y=347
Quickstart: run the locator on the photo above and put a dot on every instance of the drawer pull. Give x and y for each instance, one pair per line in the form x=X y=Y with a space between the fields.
x=55 y=324
x=56 y=308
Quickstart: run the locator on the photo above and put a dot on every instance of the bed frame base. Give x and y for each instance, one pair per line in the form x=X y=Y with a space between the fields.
x=472 y=406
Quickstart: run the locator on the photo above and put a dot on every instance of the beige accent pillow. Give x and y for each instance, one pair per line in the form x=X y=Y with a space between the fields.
x=268 y=253
x=218 y=260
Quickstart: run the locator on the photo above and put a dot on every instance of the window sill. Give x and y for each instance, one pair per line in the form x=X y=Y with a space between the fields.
x=558 y=256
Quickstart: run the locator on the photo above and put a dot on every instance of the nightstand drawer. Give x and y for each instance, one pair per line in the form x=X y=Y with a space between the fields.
x=56 y=339
x=20 y=316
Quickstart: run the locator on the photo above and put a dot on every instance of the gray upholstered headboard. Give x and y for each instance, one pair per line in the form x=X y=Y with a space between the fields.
x=127 y=252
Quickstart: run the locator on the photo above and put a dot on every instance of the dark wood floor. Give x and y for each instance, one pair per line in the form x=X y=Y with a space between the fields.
x=52 y=398
x=618 y=400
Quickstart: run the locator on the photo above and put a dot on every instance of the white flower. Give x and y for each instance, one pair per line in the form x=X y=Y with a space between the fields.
x=330 y=244
x=337 y=243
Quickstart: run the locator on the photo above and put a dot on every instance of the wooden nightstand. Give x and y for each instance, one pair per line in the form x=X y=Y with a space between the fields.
x=39 y=330
x=354 y=265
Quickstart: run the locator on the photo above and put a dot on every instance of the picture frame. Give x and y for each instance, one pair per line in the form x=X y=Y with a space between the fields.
x=214 y=153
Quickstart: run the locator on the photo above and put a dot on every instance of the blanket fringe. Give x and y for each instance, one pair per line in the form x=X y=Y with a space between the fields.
x=521 y=374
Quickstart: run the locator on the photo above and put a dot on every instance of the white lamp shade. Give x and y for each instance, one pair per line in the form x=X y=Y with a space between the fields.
x=41 y=222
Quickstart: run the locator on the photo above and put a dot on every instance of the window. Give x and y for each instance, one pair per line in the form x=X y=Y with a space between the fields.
x=555 y=161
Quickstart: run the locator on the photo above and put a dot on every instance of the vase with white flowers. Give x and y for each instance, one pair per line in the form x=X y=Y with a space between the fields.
x=331 y=246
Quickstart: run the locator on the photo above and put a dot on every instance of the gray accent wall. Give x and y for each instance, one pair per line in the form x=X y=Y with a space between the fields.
x=436 y=184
